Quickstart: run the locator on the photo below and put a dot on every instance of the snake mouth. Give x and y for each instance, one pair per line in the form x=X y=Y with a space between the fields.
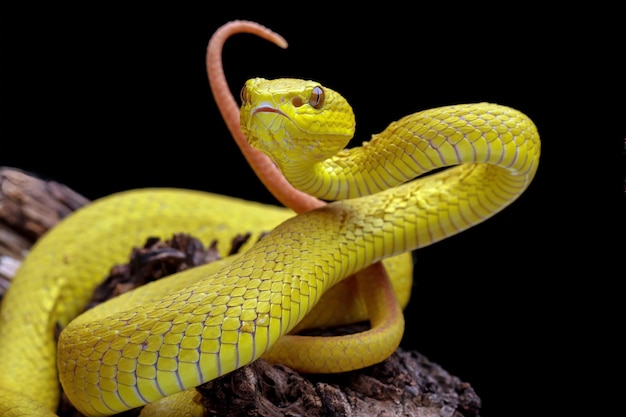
x=266 y=109
x=263 y=141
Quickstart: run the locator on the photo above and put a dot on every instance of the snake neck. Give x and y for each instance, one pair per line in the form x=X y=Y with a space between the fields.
x=350 y=173
x=417 y=144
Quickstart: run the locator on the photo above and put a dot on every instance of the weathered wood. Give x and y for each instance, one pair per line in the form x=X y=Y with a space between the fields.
x=406 y=384
x=29 y=206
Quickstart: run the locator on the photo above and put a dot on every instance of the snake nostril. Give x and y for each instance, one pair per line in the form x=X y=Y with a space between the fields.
x=296 y=101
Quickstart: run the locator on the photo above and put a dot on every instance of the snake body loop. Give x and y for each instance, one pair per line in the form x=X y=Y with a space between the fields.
x=210 y=323
x=179 y=332
x=314 y=160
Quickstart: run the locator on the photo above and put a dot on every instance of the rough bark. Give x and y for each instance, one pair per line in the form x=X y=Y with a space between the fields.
x=406 y=384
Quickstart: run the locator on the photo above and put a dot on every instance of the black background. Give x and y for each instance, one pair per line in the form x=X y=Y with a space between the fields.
x=525 y=307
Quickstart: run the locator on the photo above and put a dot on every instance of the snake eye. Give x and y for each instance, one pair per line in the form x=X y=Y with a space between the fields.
x=244 y=95
x=317 y=98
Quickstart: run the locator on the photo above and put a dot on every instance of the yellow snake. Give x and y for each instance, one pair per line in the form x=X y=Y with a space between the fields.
x=178 y=333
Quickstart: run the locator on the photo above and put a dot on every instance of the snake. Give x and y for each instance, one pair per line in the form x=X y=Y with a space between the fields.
x=387 y=197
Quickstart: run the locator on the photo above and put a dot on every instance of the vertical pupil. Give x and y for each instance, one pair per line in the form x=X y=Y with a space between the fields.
x=317 y=98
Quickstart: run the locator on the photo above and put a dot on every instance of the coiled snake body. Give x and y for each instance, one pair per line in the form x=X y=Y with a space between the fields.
x=178 y=333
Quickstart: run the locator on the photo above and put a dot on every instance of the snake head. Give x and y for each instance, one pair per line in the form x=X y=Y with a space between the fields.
x=295 y=121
